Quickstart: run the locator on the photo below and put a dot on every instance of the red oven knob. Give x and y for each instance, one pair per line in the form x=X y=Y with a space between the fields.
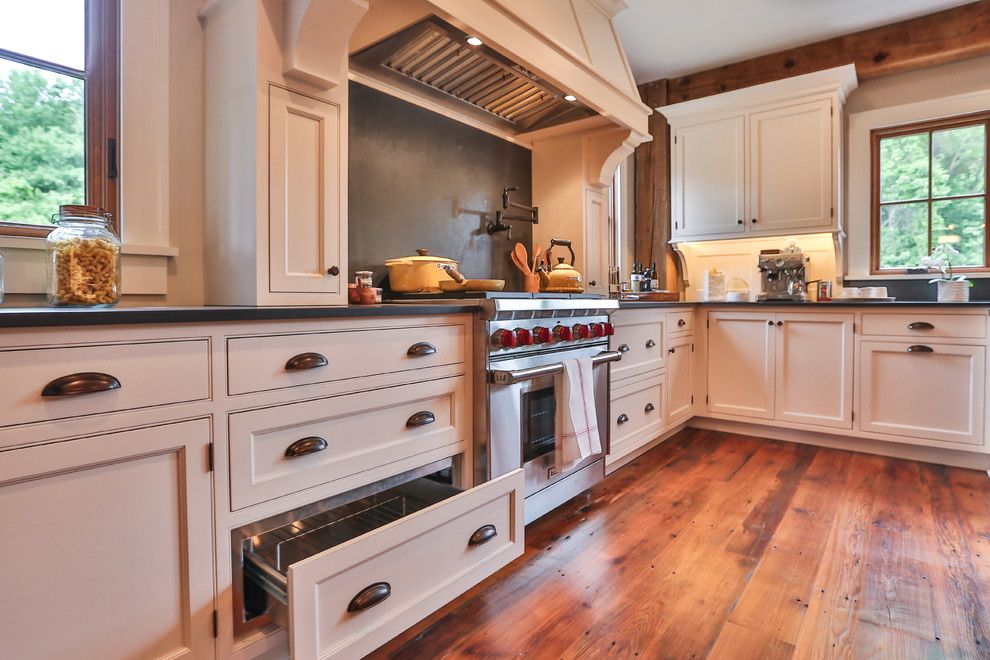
x=523 y=337
x=504 y=339
x=561 y=333
x=542 y=335
x=597 y=330
x=581 y=331
x=608 y=329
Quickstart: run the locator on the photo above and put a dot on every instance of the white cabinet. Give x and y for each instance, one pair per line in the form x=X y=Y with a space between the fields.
x=814 y=369
x=110 y=551
x=307 y=235
x=740 y=364
x=920 y=390
x=708 y=187
x=763 y=160
x=789 y=367
x=596 y=241
x=791 y=154
x=680 y=379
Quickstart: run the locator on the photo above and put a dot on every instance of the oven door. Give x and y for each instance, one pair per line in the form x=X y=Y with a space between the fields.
x=524 y=400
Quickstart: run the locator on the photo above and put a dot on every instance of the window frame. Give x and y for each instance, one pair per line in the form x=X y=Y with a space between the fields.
x=927 y=126
x=102 y=123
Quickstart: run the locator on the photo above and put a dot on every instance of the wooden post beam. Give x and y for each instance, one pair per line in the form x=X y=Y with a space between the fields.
x=947 y=36
x=652 y=229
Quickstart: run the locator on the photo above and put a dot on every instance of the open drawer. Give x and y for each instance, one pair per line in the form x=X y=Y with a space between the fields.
x=349 y=579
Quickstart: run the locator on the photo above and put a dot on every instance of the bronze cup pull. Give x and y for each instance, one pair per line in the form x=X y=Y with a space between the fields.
x=305 y=361
x=623 y=418
x=305 y=446
x=671 y=350
x=483 y=535
x=370 y=596
x=422 y=418
x=649 y=408
x=920 y=325
x=420 y=349
x=681 y=323
x=918 y=348
x=650 y=343
x=623 y=348
x=87 y=382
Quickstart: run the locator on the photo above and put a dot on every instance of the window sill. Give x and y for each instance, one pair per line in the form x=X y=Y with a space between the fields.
x=144 y=268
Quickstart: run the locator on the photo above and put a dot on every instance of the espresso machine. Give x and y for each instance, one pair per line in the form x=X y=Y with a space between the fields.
x=785 y=275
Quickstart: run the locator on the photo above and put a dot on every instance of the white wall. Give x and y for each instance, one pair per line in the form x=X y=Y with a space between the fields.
x=943 y=91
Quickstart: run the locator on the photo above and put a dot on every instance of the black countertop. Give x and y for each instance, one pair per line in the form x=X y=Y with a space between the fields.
x=23 y=317
x=860 y=304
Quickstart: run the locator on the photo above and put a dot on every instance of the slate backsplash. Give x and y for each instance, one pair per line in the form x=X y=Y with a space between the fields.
x=418 y=179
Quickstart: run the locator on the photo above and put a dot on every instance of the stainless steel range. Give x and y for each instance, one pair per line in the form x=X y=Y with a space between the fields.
x=522 y=343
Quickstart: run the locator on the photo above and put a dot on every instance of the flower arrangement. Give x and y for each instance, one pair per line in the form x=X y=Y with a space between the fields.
x=941 y=259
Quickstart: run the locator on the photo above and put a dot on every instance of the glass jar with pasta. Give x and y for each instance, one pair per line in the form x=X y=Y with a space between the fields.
x=83 y=259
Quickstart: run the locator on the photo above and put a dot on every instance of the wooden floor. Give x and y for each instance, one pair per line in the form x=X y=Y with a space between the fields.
x=724 y=546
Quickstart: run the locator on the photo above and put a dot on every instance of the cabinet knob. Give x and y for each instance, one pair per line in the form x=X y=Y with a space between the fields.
x=422 y=418
x=87 y=382
x=780 y=323
x=305 y=361
x=623 y=418
x=333 y=270
x=650 y=343
x=483 y=535
x=769 y=322
x=649 y=408
x=918 y=348
x=370 y=596
x=671 y=350
x=623 y=348
x=305 y=446
x=681 y=323
x=593 y=283
x=739 y=222
x=754 y=221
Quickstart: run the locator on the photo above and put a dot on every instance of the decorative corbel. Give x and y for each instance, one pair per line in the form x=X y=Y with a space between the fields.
x=317 y=34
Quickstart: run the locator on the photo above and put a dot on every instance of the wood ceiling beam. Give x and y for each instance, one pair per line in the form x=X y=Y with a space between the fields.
x=947 y=36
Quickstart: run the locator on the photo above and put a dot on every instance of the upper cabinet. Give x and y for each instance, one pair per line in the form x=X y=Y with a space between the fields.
x=765 y=160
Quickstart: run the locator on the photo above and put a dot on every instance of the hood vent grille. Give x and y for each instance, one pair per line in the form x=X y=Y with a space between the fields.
x=432 y=58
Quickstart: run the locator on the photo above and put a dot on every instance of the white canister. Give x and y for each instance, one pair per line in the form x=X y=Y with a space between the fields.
x=714 y=285
x=953 y=290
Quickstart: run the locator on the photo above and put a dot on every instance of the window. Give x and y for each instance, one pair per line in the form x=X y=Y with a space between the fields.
x=930 y=187
x=58 y=110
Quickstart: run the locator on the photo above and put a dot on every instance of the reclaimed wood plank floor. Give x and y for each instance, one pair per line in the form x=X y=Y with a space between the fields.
x=726 y=546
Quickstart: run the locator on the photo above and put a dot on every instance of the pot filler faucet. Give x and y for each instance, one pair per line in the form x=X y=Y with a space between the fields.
x=507 y=204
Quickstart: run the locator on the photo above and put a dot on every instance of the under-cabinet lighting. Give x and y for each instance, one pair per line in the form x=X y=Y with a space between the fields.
x=570 y=97
x=474 y=41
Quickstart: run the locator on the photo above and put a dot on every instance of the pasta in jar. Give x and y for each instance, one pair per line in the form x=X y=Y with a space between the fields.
x=83 y=259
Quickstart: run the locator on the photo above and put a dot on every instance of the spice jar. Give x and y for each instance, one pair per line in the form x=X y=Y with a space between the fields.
x=83 y=259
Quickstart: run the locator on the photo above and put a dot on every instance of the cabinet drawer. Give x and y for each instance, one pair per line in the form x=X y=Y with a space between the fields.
x=641 y=345
x=924 y=325
x=681 y=322
x=352 y=438
x=48 y=384
x=347 y=600
x=637 y=415
x=256 y=364
x=923 y=391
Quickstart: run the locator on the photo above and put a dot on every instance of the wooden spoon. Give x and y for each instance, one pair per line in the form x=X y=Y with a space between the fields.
x=536 y=256
x=521 y=258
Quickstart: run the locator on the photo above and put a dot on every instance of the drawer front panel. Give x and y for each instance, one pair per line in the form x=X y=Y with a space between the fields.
x=924 y=325
x=923 y=391
x=256 y=364
x=637 y=416
x=425 y=559
x=681 y=322
x=641 y=345
x=125 y=376
x=343 y=436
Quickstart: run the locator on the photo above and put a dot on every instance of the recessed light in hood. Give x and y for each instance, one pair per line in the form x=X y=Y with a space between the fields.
x=432 y=59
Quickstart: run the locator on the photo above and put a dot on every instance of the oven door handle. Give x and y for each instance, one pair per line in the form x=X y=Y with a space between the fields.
x=510 y=376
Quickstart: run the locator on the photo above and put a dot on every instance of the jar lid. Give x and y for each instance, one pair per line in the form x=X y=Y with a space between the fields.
x=82 y=211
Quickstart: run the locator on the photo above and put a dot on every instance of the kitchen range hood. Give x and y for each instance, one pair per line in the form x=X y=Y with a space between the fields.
x=433 y=59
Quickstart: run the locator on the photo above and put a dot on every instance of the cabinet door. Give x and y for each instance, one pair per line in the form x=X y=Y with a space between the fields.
x=791 y=170
x=596 y=242
x=110 y=553
x=306 y=195
x=680 y=399
x=923 y=391
x=740 y=364
x=708 y=177
x=814 y=369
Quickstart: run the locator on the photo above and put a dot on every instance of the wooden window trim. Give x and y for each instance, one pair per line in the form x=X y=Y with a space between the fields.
x=102 y=124
x=973 y=119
